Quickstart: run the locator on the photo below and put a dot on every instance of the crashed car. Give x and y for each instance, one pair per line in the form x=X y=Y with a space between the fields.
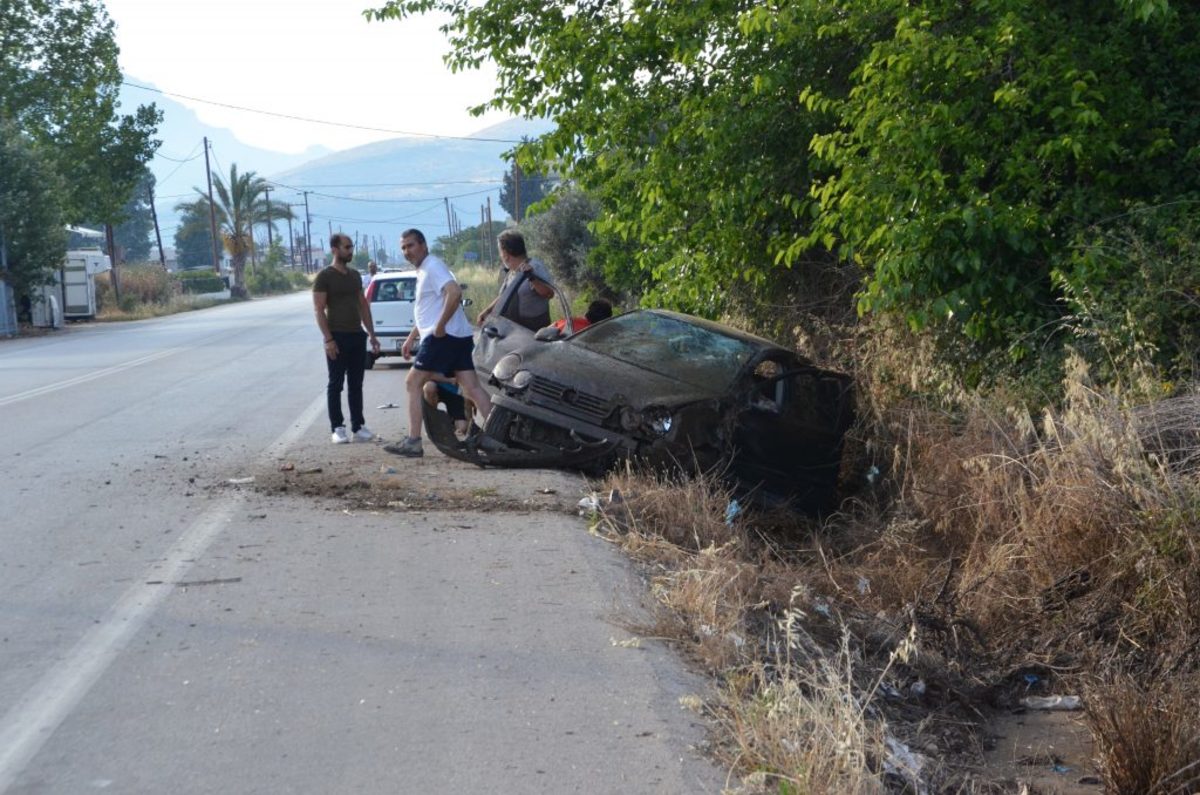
x=663 y=388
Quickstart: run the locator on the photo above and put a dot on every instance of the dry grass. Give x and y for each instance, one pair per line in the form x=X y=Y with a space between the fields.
x=796 y=717
x=1146 y=735
x=140 y=311
x=146 y=291
x=998 y=543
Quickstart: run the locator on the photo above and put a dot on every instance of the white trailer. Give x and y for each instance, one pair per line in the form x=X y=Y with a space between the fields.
x=73 y=293
x=79 y=282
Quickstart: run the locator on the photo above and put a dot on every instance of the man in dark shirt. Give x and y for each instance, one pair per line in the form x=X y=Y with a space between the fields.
x=342 y=312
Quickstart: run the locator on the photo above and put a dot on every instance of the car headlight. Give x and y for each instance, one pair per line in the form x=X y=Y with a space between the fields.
x=521 y=380
x=507 y=367
x=657 y=420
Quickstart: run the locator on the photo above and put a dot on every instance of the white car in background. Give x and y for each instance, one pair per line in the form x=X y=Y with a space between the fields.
x=393 y=295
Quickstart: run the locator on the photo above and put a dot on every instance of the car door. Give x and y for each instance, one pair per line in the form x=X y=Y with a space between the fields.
x=788 y=436
x=498 y=336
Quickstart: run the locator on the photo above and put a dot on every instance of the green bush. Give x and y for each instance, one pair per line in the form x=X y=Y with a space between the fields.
x=201 y=280
x=1131 y=288
x=266 y=279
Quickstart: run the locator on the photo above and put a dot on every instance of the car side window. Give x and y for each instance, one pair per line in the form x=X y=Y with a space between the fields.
x=386 y=292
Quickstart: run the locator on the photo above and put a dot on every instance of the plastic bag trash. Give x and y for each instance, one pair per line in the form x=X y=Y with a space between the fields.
x=1052 y=702
x=732 y=511
x=905 y=764
x=872 y=475
x=863 y=585
x=589 y=505
x=240 y=481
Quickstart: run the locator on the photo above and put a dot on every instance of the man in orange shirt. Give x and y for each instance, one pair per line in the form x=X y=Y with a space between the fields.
x=597 y=310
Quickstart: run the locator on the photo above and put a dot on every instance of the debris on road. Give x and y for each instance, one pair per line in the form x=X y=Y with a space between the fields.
x=218 y=581
x=1066 y=703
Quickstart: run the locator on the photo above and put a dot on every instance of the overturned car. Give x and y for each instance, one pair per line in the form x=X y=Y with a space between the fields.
x=663 y=388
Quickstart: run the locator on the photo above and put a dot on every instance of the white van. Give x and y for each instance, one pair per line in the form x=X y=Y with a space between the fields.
x=393 y=296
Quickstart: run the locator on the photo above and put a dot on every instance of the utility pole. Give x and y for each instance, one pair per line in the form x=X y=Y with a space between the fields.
x=307 y=235
x=291 y=244
x=115 y=274
x=212 y=211
x=485 y=251
x=162 y=258
x=490 y=236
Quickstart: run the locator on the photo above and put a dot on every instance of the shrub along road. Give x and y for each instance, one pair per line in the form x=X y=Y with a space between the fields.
x=170 y=626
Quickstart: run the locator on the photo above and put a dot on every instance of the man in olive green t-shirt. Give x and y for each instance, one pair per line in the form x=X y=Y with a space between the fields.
x=342 y=312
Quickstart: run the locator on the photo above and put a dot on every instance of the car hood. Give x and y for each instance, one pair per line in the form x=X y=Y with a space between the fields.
x=601 y=375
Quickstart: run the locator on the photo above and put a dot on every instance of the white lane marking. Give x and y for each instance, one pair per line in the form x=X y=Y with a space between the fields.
x=82 y=379
x=37 y=715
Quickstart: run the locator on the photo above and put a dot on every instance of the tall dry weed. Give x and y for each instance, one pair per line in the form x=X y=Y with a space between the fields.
x=1146 y=734
x=1036 y=515
x=796 y=699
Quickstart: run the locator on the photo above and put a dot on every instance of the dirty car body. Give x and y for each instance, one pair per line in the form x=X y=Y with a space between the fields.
x=666 y=389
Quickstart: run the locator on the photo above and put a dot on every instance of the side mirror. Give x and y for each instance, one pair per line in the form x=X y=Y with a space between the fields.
x=547 y=334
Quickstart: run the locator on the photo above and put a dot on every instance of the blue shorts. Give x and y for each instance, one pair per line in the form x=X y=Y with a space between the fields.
x=445 y=354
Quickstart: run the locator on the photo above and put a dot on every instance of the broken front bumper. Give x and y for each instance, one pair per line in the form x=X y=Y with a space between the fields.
x=505 y=440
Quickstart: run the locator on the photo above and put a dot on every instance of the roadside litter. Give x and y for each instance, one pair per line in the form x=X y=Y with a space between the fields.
x=1065 y=703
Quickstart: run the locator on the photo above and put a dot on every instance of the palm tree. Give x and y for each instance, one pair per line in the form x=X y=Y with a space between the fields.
x=241 y=204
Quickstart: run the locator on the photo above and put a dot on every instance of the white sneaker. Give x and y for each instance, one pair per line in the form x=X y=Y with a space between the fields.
x=363 y=434
x=339 y=436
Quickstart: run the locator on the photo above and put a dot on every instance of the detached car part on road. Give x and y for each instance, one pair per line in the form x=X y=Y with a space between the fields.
x=666 y=389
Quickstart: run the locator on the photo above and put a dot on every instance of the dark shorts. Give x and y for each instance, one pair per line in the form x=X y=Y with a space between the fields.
x=445 y=354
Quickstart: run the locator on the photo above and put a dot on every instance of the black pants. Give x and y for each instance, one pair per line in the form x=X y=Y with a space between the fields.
x=349 y=365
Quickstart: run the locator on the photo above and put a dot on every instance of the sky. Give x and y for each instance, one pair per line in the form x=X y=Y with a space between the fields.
x=317 y=59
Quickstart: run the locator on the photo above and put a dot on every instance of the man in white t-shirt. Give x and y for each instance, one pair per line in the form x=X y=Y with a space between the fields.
x=447 y=340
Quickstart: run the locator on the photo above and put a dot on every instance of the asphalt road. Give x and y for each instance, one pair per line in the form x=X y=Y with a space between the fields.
x=164 y=631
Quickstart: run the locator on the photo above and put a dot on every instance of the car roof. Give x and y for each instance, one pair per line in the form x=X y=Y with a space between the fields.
x=394 y=274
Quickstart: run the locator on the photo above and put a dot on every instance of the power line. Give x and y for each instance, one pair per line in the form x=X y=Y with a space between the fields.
x=180 y=162
x=420 y=213
x=416 y=184
x=176 y=159
x=320 y=121
x=377 y=201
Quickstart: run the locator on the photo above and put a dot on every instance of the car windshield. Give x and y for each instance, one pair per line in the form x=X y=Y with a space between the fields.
x=669 y=346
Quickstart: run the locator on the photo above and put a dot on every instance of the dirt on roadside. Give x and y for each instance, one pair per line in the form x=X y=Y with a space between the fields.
x=365 y=476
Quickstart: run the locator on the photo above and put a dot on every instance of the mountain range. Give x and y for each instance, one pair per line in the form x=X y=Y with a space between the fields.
x=370 y=192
